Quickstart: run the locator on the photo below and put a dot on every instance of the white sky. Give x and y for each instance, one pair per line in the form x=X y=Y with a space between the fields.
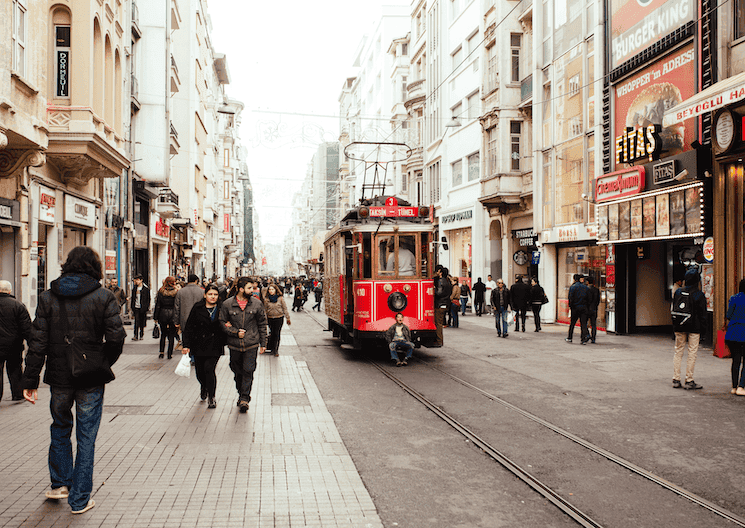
x=288 y=57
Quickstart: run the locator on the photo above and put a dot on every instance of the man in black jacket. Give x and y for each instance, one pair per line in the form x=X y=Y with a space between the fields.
x=690 y=330
x=443 y=291
x=520 y=298
x=500 y=301
x=15 y=328
x=592 y=309
x=140 y=305
x=578 y=302
x=92 y=319
x=478 y=296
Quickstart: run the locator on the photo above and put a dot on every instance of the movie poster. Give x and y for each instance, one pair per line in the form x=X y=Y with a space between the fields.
x=636 y=218
x=643 y=98
x=613 y=222
x=602 y=223
x=693 y=210
x=677 y=213
x=624 y=220
x=650 y=215
x=663 y=215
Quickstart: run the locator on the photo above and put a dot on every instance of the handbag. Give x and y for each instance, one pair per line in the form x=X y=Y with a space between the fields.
x=156 y=331
x=721 y=350
x=545 y=299
x=456 y=302
x=87 y=360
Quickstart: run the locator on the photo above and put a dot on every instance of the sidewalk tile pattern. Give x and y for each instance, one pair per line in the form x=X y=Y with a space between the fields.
x=164 y=460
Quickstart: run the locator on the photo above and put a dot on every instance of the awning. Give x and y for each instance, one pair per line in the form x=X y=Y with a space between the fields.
x=716 y=96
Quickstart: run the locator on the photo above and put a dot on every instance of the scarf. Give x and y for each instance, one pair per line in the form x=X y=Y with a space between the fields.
x=273 y=298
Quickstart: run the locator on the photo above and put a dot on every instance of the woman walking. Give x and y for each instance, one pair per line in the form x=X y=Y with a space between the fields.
x=537 y=294
x=276 y=311
x=735 y=339
x=164 y=314
x=297 y=303
x=454 y=302
x=204 y=338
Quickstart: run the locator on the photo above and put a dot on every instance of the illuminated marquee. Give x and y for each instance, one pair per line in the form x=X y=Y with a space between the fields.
x=618 y=184
x=639 y=143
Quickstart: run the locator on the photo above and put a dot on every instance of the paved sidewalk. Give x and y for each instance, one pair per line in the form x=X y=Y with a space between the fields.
x=164 y=460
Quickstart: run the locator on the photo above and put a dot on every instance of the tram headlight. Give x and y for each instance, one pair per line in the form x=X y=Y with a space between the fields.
x=397 y=301
x=423 y=211
x=363 y=212
x=388 y=288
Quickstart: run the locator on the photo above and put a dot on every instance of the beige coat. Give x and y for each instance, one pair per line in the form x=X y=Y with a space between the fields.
x=277 y=309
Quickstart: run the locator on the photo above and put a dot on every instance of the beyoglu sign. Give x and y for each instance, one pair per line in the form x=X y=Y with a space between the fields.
x=619 y=184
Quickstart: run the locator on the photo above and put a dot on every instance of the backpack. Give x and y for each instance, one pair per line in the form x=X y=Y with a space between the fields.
x=682 y=309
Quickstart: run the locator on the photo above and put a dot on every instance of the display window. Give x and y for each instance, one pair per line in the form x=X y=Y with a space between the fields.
x=459 y=241
x=590 y=261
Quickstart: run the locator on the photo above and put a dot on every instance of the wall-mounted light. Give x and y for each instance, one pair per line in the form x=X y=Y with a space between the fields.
x=682 y=175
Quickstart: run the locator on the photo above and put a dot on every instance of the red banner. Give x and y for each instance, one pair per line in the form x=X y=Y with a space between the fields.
x=226 y=222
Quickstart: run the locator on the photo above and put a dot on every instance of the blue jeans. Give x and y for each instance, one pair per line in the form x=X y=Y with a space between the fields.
x=88 y=409
x=463 y=303
x=454 y=310
x=500 y=313
x=406 y=346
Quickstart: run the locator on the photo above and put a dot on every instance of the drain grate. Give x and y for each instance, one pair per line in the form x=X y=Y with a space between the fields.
x=149 y=366
x=293 y=399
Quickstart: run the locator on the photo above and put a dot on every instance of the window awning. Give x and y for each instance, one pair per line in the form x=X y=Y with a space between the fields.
x=716 y=96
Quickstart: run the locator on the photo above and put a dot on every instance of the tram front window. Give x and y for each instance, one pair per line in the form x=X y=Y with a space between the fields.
x=399 y=258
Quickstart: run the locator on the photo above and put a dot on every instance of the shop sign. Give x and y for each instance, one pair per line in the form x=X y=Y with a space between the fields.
x=6 y=212
x=619 y=184
x=525 y=237
x=663 y=172
x=162 y=229
x=47 y=204
x=708 y=249
x=641 y=100
x=714 y=102
x=610 y=275
x=637 y=24
x=568 y=233
x=536 y=258
x=110 y=261
x=79 y=211
x=520 y=257
x=457 y=217
x=196 y=217
x=639 y=143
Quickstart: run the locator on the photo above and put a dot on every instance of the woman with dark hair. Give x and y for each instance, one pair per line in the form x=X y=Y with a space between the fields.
x=164 y=314
x=276 y=311
x=204 y=338
x=537 y=294
x=298 y=301
x=735 y=338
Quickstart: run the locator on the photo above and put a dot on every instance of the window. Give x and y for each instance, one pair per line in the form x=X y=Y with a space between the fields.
x=19 y=37
x=457 y=111
x=457 y=170
x=457 y=57
x=515 y=40
x=515 y=128
x=226 y=158
x=434 y=183
x=62 y=58
x=739 y=19
x=491 y=153
x=473 y=41
x=404 y=80
x=226 y=190
x=473 y=105
x=473 y=167
x=405 y=49
x=492 y=76
x=574 y=85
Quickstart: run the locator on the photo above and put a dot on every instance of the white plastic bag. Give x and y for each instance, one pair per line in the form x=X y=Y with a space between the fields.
x=184 y=366
x=510 y=318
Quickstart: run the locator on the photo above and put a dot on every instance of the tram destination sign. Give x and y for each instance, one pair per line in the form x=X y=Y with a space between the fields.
x=389 y=211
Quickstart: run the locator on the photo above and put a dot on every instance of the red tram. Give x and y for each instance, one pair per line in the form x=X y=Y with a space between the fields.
x=378 y=262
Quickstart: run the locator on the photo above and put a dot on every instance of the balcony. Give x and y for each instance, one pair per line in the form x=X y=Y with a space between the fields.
x=136 y=31
x=526 y=88
x=135 y=92
x=167 y=204
x=175 y=80
x=499 y=189
x=415 y=93
x=174 y=140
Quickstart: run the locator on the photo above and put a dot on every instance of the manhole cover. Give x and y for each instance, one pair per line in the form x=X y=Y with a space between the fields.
x=126 y=409
x=290 y=399
x=503 y=356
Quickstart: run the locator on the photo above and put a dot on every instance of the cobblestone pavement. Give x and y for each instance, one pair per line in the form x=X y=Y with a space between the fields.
x=164 y=460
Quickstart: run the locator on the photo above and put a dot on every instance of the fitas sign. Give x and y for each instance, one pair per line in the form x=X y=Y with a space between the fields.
x=638 y=143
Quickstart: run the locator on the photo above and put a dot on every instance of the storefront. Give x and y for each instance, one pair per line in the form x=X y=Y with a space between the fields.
x=46 y=238
x=656 y=220
x=160 y=236
x=10 y=215
x=524 y=262
x=457 y=227
x=79 y=222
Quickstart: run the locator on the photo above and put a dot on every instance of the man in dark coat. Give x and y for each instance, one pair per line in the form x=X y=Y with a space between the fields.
x=185 y=300
x=578 y=303
x=592 y=308
x=691 y=330
x=14 y=330
x=92 y=320
x=244 y=320
x=520 y=299
x=443 y=291
x=500 y=301
x=478 y=297
x=140 y=304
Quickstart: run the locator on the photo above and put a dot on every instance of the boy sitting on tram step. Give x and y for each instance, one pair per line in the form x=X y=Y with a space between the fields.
x=399 y=336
